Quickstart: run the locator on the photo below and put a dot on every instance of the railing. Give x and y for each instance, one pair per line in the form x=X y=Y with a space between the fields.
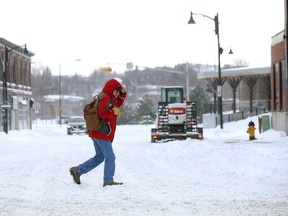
x=259 y=107
x=242 y=115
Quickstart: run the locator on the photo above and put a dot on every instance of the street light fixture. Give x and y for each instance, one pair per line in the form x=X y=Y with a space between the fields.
x=60 y=88
x=5 y=105
x=220 y=50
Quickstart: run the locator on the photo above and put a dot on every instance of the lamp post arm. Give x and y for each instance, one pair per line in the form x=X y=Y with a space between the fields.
x=203 y=16
x=70 y=60
x=154 y=69
x=216 y=21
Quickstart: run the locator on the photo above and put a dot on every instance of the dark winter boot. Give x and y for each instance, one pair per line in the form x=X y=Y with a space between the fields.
x=76 y=175
x=112 y=183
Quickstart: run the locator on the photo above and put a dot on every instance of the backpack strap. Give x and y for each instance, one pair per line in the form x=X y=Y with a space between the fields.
x=99 y=97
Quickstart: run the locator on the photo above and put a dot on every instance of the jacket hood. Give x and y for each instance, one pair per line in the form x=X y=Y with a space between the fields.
x=110 y=86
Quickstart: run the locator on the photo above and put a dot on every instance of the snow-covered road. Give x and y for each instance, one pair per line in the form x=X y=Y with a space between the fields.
x=224 y=174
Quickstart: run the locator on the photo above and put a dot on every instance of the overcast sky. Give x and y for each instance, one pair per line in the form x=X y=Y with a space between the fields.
x=147 y=33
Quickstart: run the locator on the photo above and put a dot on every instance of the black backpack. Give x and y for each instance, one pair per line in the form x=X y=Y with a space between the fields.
x=93 y=120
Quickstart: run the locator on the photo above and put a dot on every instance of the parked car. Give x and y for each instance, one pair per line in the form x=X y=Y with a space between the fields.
x=76 y=125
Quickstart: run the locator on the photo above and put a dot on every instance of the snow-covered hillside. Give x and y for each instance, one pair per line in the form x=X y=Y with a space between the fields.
x=224 y=174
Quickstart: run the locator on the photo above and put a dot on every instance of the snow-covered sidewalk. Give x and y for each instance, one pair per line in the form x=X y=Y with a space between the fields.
x=224 y=174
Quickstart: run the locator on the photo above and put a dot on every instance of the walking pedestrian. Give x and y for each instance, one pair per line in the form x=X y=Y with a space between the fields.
x=112 y=97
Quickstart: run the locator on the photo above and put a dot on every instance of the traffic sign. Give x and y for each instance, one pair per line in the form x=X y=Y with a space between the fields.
x=5 y=106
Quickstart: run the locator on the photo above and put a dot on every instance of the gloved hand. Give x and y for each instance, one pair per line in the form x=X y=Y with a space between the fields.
x=123 y=89
x=117 y=111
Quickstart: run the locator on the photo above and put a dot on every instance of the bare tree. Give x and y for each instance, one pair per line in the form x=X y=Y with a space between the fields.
x=240 y=63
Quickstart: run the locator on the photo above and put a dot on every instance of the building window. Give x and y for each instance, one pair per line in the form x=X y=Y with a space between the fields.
x=275 y=86
x=282 y=84
x=280 y=101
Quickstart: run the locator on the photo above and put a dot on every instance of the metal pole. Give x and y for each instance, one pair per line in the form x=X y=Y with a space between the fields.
x=219 y=72
x=60 y=97
x=187 y=81
x=219 y=87
x=286 y=47
x=5 y=91
x=60 y=89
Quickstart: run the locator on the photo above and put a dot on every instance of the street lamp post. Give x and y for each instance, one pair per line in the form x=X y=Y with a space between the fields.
x=220 y=50
x=5 y=105
x=187 y=82
x=60 y=89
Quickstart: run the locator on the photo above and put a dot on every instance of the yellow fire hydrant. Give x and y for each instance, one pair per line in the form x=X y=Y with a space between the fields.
x=251 y=130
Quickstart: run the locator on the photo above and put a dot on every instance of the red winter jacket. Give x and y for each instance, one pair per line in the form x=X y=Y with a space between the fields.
x=106 y=102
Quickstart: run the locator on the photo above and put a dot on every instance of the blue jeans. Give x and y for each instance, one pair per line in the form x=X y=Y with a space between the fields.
x=104 y=151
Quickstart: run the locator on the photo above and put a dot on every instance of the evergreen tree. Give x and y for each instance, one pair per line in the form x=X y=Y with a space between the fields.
x=145 y=108
x=202 y=99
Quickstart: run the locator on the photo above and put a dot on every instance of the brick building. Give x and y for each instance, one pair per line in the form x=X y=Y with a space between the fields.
x=15 y=86
x=279 y=79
